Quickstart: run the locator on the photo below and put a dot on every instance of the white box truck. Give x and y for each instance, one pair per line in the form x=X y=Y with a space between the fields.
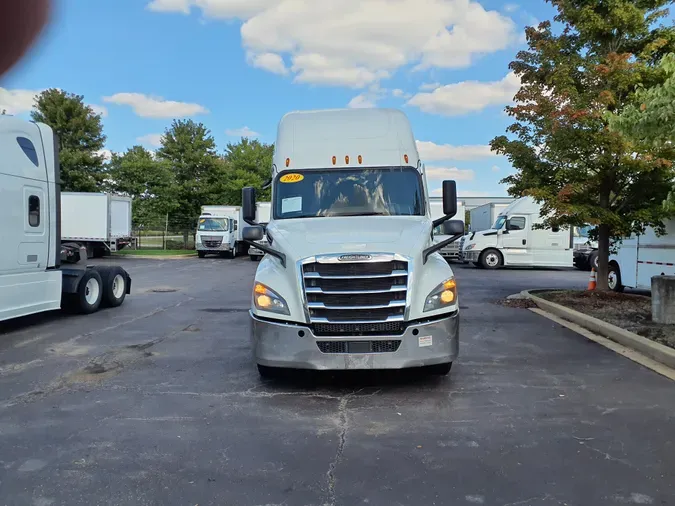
x=352 y=278
x=32 y=279
x=219 y=231
x=638 y=258
x=99 y=222
x=514 y=241
x=451 y=251
x=262 y=217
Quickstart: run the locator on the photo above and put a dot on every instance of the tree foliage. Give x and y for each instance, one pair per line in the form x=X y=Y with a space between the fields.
x=248 y=163
x=147 y=180
x=80 y=135
x=564 y=153
x=650 y=119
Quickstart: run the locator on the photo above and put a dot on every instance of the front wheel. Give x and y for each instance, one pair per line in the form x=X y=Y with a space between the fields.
x=614 y=278
x=593 y=261
x=201 y=254
x=491 y=259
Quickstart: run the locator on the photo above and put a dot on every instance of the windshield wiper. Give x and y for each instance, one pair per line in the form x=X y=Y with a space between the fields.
x=360 y=214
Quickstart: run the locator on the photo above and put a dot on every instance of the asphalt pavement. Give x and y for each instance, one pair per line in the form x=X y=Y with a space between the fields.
x=158 y=403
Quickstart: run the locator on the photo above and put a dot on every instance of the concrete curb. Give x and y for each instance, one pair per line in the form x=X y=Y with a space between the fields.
x=647 y=347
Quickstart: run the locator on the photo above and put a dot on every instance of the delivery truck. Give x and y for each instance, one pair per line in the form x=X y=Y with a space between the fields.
x=219 y=232
x=32 y=277
x=352 y=278
x=263 y=210
x=99 y=222
x=483 y=217
x=451 y=251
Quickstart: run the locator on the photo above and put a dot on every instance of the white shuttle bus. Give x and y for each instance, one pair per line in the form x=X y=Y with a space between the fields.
x=352 y=278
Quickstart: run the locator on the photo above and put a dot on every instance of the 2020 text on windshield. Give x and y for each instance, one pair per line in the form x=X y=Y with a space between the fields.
x=387 y=191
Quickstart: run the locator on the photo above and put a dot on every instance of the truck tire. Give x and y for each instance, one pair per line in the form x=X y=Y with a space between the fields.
x=114 y=284
x=614 y=278
x=201 y=254
x=87 y=298
x=491 y=259
x=593 y=261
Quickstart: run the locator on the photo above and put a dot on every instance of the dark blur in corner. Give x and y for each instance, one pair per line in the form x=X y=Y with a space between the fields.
x=21 y=21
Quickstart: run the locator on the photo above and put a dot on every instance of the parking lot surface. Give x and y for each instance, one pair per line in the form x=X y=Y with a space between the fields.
x=158 y=403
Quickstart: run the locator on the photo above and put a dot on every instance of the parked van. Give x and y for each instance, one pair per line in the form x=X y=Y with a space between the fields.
x=640 y=257
x=513 y=240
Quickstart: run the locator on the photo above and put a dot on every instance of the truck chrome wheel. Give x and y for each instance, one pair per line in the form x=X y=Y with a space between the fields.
x=118 y=286
x=92 y=290
x=491 y=259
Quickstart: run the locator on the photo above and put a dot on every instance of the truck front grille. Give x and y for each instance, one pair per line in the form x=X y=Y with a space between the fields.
x=394 y=328
x=348 y=297
x=212 y=242
x=358 y=346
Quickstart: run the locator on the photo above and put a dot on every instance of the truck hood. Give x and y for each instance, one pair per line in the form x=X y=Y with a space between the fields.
x=301 y=238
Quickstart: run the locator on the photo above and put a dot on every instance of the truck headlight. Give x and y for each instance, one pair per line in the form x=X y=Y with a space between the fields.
x=470 y=246
x=443 y=295
x=267 y=299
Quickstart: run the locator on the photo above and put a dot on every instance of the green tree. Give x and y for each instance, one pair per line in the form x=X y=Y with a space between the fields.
x=247 y=163
x=560 y=144
x=80 y=136
x=198 y=173
x=147 y=180
x=650 y=118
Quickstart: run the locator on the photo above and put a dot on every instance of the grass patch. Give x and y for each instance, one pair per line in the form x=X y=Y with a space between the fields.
x=156 y=252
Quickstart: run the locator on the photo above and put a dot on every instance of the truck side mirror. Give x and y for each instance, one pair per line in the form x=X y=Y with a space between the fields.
x=453 y=227
x=449 y=198
x=248 y=204
x=253 y=233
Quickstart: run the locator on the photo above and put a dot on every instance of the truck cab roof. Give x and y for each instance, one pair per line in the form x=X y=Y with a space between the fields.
x=310 y=139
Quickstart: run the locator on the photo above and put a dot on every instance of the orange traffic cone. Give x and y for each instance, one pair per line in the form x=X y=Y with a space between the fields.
x=592 y=282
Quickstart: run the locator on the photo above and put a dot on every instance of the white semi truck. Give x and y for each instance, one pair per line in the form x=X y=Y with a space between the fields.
x=32 y=279
x=99 y=222
x=352 y=278
x=513 y=240
x=262 y=217
x=451 y=251
x=219 y=231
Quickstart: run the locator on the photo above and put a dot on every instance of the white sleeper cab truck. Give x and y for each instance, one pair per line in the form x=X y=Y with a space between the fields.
x=640 y=257
x=263 y=210
x=451 y=251
x=352 y=278
x=514 y=241
x=31 y=277
x=219 y=231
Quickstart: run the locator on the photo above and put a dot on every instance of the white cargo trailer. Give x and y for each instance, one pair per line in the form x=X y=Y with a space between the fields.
x=451 y=251
x=263 y=211
x=32 y=278
x=483 y=217
x=99 y=222
x=219 y=231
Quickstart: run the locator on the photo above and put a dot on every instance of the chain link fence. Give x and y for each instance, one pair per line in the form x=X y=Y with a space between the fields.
x=176 y=234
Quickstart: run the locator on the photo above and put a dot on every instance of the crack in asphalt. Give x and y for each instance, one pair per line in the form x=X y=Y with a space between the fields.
x=342 y=441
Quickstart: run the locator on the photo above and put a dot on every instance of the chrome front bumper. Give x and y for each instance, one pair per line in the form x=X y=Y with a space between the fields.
x=277 y=344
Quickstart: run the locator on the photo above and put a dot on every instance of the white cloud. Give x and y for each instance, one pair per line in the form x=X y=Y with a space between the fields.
x=100 y=109
x=271 y=62
x=105 y=153
x=16 y=101
x=155 y=107
x=241 y=132
x=357 y=42
x=361 y=101
x=511 y=7
x=429 y=86
x=397 y=92
x=467 y=96
x=495 y=168
x=150 y=140
x=442 y=173
x=430 y=151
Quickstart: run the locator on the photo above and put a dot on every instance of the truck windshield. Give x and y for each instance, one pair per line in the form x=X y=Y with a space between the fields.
x=499 y=223
x=359 y=192
x=213 y=224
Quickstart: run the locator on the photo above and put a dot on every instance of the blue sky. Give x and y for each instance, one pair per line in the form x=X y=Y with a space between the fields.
x=239 y=65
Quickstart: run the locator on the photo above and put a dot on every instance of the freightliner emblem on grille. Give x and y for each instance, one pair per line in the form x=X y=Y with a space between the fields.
x=353 y=258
